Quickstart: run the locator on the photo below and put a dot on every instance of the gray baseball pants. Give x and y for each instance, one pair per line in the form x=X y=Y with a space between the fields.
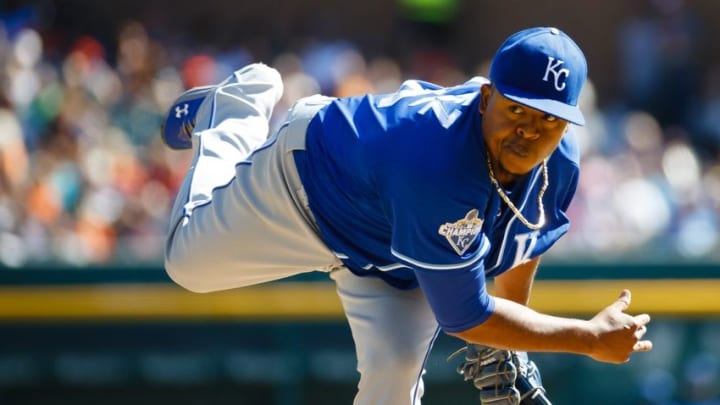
x=241 y=218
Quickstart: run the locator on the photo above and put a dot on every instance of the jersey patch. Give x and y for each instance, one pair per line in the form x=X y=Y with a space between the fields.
x=462 y=233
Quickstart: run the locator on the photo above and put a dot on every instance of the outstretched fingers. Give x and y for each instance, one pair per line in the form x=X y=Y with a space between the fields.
x=642 y=319
x=643 y=346
x=641 y=322
x=623 y=301
x=621 y=334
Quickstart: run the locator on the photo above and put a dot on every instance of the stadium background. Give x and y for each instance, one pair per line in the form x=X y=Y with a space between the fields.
x=88 y=316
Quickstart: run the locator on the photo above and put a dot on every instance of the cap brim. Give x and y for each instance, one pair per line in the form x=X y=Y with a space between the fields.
x=553 y=107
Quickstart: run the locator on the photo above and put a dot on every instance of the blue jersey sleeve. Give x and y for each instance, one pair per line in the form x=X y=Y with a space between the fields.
x=447 y=256
x=458 y=298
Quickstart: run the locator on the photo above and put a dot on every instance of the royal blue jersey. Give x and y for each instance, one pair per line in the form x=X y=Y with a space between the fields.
x=399 y=186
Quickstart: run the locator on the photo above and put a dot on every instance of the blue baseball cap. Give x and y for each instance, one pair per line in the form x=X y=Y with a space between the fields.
x=541 y=68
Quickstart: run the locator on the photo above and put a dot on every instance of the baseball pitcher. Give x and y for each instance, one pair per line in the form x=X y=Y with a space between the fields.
x=410 y=201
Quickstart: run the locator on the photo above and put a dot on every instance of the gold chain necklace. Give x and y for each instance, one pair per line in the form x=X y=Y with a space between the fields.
x=541 y=220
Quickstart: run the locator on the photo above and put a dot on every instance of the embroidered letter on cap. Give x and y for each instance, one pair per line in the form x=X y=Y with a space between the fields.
x=553 y=68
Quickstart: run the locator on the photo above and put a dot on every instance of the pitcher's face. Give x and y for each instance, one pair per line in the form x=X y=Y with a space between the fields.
x=518 y=137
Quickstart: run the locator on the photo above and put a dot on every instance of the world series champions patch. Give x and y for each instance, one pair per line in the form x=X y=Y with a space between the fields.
x=462 y=233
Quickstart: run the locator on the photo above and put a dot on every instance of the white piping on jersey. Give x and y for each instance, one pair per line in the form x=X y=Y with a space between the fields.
x=481 y=254
x=389 y=267
x=510 y=222
x=369 y=266
x=394 y=266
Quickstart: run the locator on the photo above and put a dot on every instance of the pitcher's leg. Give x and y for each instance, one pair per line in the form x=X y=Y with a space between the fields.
x=231 y=123
x=393 y=332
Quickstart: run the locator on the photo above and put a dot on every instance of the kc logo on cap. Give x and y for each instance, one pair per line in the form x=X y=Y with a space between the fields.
x=559 y=74
x=542 y=68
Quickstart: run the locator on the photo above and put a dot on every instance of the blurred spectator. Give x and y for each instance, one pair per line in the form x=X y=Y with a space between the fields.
x=702 y=377
x=708 y=116
x=658 y=387
x=659 y=64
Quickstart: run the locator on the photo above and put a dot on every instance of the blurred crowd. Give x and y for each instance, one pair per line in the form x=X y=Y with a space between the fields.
x=85 y=178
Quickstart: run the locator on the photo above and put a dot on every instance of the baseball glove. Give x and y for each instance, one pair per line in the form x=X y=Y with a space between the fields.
x=503 y=377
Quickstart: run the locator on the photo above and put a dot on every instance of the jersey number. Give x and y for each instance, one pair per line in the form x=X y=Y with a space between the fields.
x=427 y=100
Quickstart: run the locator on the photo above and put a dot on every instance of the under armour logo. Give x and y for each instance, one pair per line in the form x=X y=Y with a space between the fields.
x=179 y=112
x=559 y=74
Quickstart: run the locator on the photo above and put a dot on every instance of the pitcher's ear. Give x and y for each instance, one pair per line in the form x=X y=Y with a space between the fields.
x=485 y=93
